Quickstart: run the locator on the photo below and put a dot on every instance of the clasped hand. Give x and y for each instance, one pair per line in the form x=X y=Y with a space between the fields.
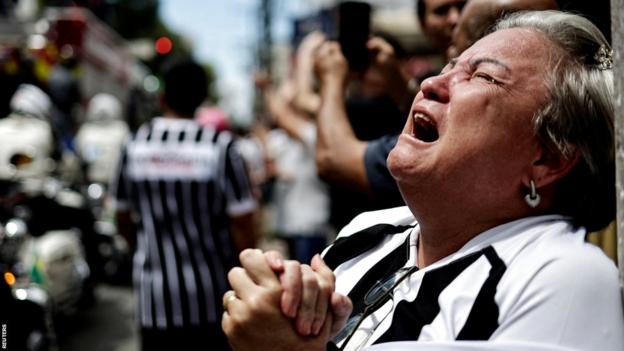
x=281 y=304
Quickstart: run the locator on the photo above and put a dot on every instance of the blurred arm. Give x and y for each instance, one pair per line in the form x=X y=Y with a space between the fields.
x=241 y=203
x=339 y=154
x=243 y=230
x=305 y=98
x=286 y=118
x=396 y=80
x=126 y=227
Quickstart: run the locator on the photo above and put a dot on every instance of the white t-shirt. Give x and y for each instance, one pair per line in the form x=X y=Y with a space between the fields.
x=533 y=280
x=99 y=144
x=301 y=198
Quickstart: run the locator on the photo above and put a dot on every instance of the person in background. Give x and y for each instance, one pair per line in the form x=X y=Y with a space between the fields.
x=64 y=90
x=212 y=117
x=438 y=19
x=506 y=162
x=356 y=166
x=27 y=144
x=188 y=189
x=480 y=15
x=300 y=197
x=16 y=67
x=344 y=157
x=30 y=158
x=100 y=139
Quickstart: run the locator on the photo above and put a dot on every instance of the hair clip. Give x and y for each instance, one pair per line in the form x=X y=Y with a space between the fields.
x=604 y=57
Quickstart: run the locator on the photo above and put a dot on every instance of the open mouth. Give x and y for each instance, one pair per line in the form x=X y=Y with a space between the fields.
x=424 y=129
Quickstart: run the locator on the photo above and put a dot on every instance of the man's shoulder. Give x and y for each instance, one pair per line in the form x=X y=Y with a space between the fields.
x=184 y=130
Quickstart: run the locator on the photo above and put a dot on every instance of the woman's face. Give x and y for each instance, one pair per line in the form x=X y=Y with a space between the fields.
x=469 y=139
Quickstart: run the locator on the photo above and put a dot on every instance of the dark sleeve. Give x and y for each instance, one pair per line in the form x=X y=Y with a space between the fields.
x=119 y=186
x=382 y=184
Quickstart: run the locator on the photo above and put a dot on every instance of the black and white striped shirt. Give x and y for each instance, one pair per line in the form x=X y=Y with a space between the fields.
x=184 y=182
x=533 y=280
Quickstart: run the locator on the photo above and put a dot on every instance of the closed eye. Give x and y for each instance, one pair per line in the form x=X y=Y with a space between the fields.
x=485 y=77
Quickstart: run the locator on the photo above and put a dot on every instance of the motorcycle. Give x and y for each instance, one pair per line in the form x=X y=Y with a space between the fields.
x=26 y=320
x=113 y=252
x=49 y=247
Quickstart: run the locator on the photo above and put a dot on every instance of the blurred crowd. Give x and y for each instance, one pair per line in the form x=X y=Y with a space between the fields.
x=313 y=158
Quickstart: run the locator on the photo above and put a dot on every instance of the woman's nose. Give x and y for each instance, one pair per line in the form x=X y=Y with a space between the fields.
x=436 y=88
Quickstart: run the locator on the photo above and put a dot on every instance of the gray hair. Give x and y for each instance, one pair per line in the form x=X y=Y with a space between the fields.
x=579 y=113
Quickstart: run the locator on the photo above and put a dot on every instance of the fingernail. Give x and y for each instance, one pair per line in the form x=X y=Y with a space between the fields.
x=287 y=302
x=292 y=311
x=318 y=259
x=343 y=305
x=316 y=329
x=303 y=327
x=308 y=328
x=277 y=261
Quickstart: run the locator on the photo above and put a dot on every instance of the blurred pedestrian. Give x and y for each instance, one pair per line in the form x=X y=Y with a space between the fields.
x=438 y=19
x=354 y=165
x=300 y=197
x=65 y=93
x=27 y=144
x=479 y=16
x=213 y=117
x=189 y=189
x=100 y=139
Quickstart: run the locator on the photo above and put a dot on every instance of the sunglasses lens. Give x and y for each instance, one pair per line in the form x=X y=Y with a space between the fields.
x=348 y=328
x=379 y=290
x=382 y=288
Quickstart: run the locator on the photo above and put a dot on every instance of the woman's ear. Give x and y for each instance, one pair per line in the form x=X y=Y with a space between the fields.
x=551 y=165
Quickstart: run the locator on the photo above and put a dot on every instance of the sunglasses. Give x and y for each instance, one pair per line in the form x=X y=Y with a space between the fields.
x=376 y=297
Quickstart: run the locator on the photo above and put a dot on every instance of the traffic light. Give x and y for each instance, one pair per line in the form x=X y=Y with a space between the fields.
x=163 y=45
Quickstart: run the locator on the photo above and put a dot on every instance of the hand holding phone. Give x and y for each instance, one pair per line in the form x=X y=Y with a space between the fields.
x=353 y=33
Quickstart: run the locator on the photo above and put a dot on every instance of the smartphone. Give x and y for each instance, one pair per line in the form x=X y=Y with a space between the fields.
x=353 y=32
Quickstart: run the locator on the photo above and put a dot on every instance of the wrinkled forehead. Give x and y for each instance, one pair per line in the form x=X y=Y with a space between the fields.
x=518 y=48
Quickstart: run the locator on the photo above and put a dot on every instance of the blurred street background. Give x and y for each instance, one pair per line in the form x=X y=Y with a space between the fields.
x=108 y=325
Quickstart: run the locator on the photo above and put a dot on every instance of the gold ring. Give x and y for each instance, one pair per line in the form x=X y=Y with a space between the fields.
x=231 y=296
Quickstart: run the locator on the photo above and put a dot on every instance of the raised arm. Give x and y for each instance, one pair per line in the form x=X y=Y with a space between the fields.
x=339 y=153
x=397 y=81
x=306 y=99
x=283 y=114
